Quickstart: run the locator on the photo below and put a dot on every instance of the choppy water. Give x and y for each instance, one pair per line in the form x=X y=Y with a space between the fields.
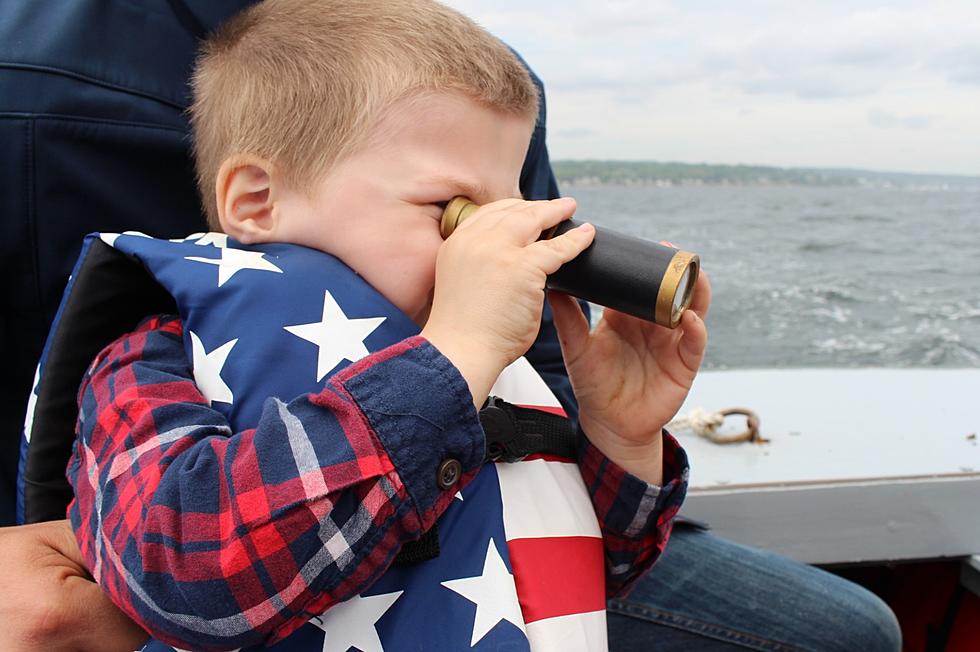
x=807 y=276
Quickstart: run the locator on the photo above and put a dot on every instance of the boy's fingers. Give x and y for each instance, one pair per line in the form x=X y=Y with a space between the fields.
x=523 y=220
x=701 y=300
x=549 y=255
x=552 y=212
x=491 y=212
x=571 y=324
x=693 y=342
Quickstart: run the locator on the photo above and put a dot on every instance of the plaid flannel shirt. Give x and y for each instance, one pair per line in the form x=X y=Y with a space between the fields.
x=221 y=526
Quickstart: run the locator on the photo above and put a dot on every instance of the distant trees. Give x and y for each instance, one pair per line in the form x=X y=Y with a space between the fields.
x=673 y=173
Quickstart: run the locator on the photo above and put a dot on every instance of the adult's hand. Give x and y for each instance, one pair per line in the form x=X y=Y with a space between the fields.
x=49 y=602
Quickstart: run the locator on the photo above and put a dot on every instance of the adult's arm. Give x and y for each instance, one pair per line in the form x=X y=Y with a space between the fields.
x=48 y=600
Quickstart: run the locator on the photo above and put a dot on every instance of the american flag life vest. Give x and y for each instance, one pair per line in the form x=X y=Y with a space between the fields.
x=521 y=560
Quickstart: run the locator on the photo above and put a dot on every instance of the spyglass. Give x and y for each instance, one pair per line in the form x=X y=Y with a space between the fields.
x=640 y=277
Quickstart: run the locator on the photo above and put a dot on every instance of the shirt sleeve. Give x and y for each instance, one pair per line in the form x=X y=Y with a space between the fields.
x=635 y=517
x=220 y=539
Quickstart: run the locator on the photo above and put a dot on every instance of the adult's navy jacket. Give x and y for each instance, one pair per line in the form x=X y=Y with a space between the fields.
x=93 y=137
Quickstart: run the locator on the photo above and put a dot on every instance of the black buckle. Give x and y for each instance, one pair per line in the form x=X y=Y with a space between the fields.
x=505 y=438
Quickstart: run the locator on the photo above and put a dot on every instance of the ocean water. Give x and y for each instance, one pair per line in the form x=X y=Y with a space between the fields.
x=819 y=276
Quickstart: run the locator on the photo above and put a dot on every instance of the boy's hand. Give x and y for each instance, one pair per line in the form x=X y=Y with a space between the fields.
x=630 y=376
x=489 y=287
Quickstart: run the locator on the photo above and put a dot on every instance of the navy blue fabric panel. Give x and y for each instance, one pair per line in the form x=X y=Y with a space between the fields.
x=33 y=92
x=139 y=47
x=209 y=14
x=120 y=176
x=20 y=318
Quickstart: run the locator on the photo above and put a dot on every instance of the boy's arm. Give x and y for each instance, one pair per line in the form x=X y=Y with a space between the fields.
x=224 y=539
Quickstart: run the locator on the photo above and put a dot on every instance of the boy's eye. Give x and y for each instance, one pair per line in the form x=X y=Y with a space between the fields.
x=435 y=209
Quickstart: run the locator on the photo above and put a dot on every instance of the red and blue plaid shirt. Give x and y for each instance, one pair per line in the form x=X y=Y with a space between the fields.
x=190 y=512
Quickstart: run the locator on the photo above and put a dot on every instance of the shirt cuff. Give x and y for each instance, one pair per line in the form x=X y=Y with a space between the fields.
x=419 y=405
x=628 y=507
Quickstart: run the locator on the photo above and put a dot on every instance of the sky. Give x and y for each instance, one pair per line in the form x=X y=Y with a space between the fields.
x=883 y=86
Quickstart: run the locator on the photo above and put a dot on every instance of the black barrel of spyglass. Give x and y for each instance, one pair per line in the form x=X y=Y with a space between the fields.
x=617 y=271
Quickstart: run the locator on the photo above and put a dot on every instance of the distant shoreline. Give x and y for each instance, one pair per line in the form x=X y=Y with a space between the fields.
x=667 y=174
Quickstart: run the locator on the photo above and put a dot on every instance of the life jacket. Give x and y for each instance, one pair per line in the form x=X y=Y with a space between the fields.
x=529 y=525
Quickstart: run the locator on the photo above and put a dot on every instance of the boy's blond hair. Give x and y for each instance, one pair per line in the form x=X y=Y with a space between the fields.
x=301 y=83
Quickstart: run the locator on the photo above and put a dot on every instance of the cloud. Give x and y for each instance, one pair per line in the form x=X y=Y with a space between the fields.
x=887 y=85
x=889 y=120
x=959 y=64
x=575 y=133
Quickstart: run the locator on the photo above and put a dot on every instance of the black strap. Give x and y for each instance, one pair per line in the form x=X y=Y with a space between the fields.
x=515 y=432
x=424 y=549
x=512 y=433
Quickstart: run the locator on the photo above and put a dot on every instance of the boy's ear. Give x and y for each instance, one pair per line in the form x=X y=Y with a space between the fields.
x=245 y=198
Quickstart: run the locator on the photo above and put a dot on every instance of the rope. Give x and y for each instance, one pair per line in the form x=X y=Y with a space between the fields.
x=706 y=424
x=700 y=421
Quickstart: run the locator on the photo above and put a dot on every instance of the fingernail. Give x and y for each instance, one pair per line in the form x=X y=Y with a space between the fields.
x=585 y=227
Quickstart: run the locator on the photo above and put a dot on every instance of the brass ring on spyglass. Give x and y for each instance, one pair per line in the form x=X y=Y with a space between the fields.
x=677 y=288
x=649 y=280
x=454 y=214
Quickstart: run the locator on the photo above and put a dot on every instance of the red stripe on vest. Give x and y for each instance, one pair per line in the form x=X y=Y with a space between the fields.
x=558 y=576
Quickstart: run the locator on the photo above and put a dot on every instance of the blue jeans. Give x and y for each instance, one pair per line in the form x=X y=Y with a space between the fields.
x=709 y=594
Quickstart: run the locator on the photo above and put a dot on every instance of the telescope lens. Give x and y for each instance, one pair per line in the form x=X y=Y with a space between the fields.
x=677 y=288
x=683 y=295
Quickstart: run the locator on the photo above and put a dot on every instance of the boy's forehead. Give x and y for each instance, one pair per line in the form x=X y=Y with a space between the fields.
x=446 y=113
x=450 y=139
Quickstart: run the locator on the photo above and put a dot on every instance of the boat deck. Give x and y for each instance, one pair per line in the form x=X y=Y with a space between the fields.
x=861 y=464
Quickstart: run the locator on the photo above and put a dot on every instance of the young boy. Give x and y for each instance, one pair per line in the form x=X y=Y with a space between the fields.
x=346 y=128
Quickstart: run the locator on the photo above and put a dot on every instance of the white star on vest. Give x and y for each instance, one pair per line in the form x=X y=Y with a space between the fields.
x=351 y=623
x=219 y=240
x=233 y=261
x=110 y=238
x=31 y=404
x=337 y=337
x=207 y=369
x=494 y=594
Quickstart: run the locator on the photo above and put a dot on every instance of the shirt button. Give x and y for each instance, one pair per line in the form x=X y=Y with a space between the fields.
x=448 y=473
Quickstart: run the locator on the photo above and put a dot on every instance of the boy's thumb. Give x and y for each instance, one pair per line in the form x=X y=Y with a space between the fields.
x=571 y=324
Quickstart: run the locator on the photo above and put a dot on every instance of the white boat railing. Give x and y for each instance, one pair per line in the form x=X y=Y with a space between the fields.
x=860 y=464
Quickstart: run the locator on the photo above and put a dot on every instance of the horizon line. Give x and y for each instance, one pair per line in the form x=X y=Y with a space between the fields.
x=975 y=176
